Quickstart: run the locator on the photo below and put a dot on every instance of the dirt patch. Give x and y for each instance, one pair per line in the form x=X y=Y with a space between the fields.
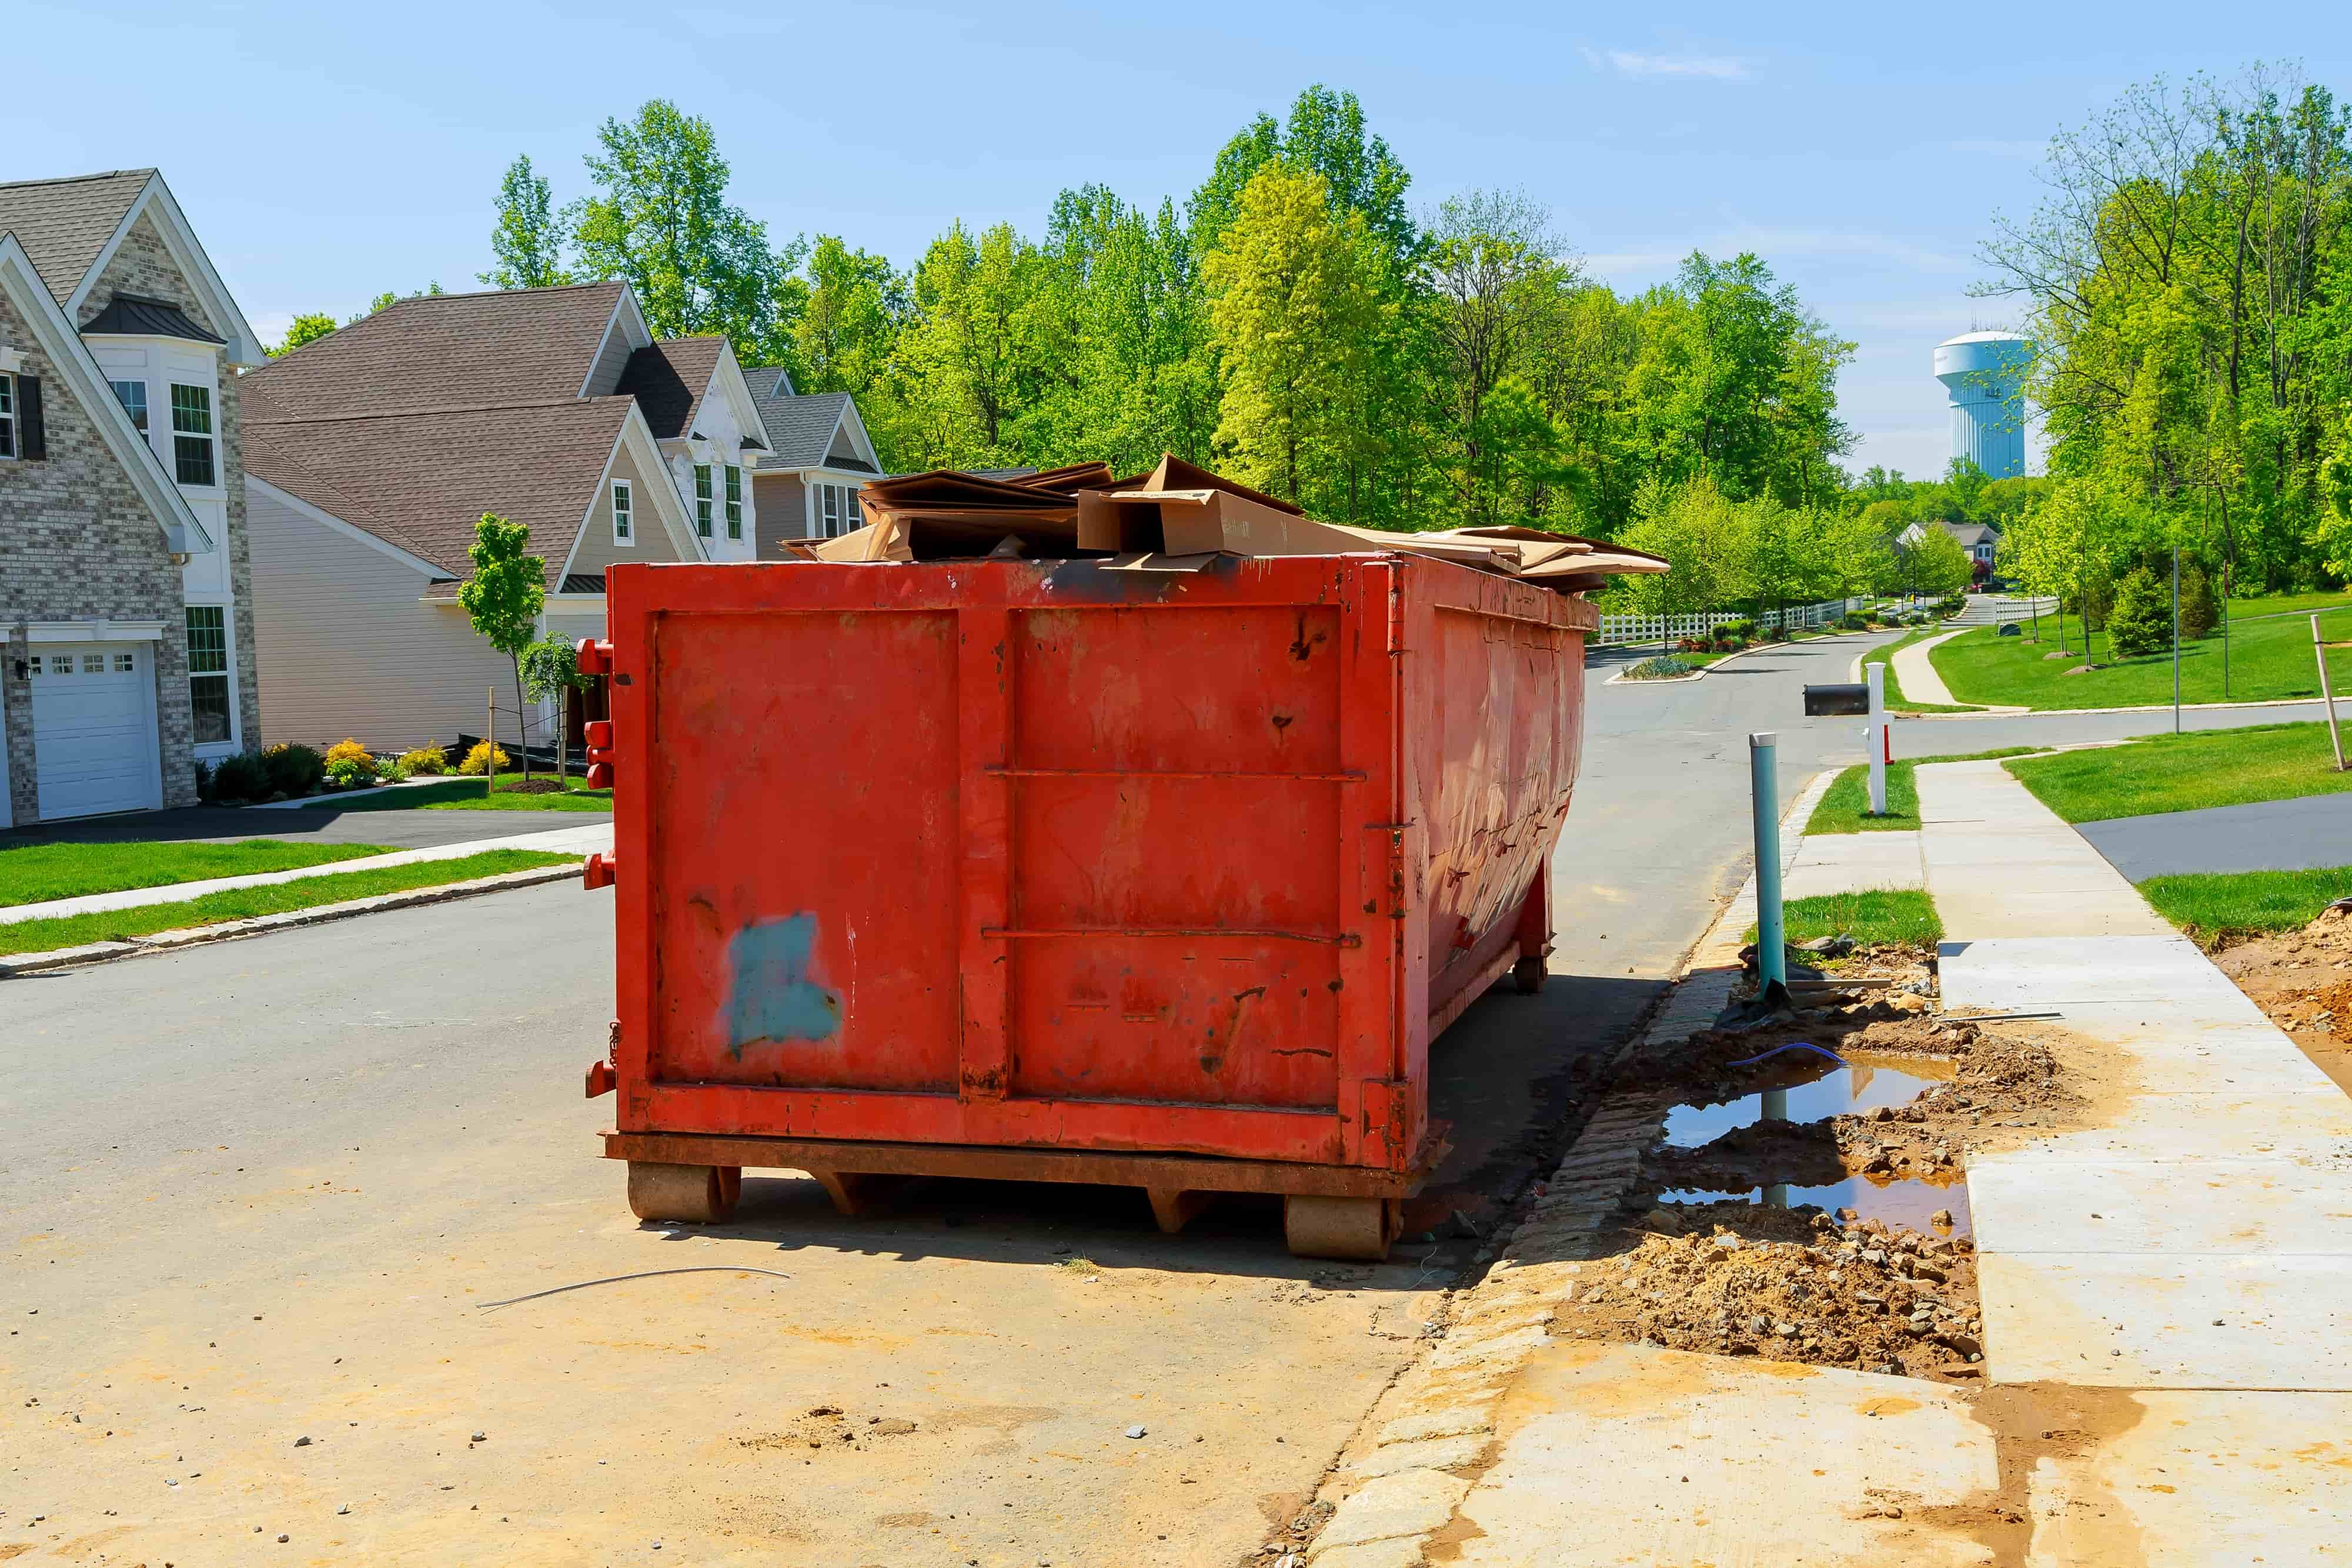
x=2303 y=981
x=1855 y=1296
x=533 y=787
x=828 y=1426
x=1774 y=1224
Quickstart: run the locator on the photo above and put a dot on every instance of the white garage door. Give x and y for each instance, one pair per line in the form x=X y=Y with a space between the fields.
x=94 y=727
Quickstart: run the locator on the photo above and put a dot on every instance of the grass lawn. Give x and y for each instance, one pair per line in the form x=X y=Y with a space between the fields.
x=242 y=903
x=2186 y=772
x=1882 y=916
x=466 y=795
x=33 y=873
x=2290 y=604
x=2212 y=907
x=1894 y=697
x=1845 y=808
x=2270 y=659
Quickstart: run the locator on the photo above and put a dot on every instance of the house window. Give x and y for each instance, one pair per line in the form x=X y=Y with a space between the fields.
x=126 y=663
x=208 y=672
x=8 y=416
x=622 y=504
x=734 y=502
x=132 y=395
x=829 y=509
x=857 y=510
x=702 y=499
x=192 y=435
x=93 y=663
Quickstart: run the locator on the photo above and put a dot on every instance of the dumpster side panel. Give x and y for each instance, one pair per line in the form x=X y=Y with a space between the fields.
x=804 y=882
x=1498 y=705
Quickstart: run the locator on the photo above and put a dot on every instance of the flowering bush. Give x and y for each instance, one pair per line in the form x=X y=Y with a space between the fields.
x=350 y=772
x=482 y=758
x=425 y=761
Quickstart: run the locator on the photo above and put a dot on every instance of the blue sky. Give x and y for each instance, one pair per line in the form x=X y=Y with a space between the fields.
x=328 y=154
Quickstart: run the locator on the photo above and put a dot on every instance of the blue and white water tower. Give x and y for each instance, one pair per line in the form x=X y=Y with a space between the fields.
x=1984 y=373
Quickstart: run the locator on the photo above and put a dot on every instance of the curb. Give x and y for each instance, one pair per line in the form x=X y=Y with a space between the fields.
x=261 y=924
x=337 y=797
x=1426 y=1440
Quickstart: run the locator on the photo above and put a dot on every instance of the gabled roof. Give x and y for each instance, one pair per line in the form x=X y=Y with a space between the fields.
x=668 y=378
x=135 y=316
x=64 y=224
x=447 y=352
x=801 y=426
x=420 y=480
x=79 y=372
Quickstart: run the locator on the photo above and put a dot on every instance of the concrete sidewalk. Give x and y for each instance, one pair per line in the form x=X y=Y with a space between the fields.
x=580 y=840
x=2194 y=1251
x=1917 y=678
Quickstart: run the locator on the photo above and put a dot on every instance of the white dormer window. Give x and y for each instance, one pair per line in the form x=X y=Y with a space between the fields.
x=702 y=499
x=734 y=502
x=192 y=435
x=624 y=508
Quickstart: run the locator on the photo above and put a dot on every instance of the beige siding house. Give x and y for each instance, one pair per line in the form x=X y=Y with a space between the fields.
x=819 y=459
x=373 y=452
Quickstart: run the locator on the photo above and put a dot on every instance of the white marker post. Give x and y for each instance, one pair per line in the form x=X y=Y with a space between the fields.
x=1878 y=738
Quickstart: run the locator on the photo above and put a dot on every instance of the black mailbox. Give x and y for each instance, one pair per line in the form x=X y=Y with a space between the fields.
x=1843 y=698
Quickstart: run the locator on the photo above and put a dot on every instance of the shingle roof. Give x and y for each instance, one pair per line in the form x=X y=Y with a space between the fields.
x=421 y=480
x=134 y=315
x=64 y=224
x=668 y=378
x=800 y=427
x=447 y=352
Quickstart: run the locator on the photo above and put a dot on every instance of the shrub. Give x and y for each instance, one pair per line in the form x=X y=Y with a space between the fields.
x=205 y=795
x=2200 y=611
x=350 y=751
x=1854 y=621
x=293 y=768
x=242 y=778
x=350 y=772
x=1742 y=628
x=1778 y=634
x=481 y=758
x=1664 y=668
x=2141 y=621
x=425 y=761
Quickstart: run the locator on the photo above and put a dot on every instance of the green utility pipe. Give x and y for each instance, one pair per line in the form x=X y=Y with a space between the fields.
x=1764 y=790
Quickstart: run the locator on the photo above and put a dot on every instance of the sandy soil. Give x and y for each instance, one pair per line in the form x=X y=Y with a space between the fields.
x=2303 y=980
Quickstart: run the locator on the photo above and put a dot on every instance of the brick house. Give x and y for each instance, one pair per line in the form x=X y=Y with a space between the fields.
x=125 y=605
x=371 y=453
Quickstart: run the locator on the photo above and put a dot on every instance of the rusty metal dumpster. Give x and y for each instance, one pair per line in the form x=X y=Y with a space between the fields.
x=1067 y=871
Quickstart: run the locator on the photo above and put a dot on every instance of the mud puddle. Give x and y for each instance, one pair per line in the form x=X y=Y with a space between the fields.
x=1917 y=1205
x=1813 y=1089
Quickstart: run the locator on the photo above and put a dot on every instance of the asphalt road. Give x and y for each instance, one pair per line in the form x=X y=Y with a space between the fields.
x=319 y=824
x=2267 y=835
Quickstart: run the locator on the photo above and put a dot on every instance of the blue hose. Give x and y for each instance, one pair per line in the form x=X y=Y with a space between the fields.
x=1792 y=1045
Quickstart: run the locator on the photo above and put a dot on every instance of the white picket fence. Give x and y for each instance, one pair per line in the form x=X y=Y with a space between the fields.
x=1617 y=629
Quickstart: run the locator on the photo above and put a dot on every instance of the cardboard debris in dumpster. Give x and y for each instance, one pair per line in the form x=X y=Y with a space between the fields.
x=1179 y=517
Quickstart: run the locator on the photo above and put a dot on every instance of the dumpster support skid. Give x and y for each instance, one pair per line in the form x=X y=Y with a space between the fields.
x=1328 y=1211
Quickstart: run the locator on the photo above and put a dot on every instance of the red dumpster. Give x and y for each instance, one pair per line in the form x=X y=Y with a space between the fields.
x=1068 y=871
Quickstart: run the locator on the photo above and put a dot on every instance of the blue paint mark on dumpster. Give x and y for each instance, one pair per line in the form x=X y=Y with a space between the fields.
x=774 y=993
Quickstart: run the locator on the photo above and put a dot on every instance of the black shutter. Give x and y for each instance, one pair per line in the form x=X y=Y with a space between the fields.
x=32 y=439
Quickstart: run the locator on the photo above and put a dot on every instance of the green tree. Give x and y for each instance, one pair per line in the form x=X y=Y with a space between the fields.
x=1936 y=565
x=1294 y=312
x=528 y=237
x=550 y=668
x=503 y=599
x=660 y=219
x=307 y=328
x=2141 y=621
